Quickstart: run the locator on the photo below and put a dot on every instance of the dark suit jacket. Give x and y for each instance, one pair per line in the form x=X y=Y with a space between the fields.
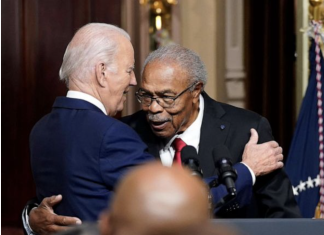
x=272 y=193
x=81 y=153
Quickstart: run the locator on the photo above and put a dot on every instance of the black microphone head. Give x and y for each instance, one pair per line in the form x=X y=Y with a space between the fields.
x=189 y=158
x=223 y=163
x=188 y=152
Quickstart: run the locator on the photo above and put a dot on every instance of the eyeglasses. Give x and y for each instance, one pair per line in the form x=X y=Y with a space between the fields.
x=164 y=102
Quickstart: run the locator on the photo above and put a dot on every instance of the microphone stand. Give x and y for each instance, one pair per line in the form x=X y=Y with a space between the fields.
x=230 y=196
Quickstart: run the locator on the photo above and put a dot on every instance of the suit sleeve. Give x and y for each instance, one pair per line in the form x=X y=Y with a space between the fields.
x=243 y=186
x=121 y=149
x=273 y=191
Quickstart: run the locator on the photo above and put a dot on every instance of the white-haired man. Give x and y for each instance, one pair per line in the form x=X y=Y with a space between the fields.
x=78 y=149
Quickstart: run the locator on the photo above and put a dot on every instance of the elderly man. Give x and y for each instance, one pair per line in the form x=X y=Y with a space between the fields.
x=175 y=106
x=77 y=150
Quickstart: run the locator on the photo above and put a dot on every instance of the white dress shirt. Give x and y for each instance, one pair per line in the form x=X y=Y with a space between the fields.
x=83 y=96
x=190 y=136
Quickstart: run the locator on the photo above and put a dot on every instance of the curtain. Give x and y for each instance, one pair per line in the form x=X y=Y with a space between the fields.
x=34 y=37
x=270 y=64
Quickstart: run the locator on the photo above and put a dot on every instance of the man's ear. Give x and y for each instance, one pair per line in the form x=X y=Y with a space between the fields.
x=101 y=72
x=105 y=224
x=198 y=89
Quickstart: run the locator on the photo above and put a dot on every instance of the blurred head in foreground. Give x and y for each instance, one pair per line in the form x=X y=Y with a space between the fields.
x=153 y=199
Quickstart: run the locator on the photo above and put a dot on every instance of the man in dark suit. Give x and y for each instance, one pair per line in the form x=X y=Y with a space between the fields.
x=174 y=105
x=78 y=150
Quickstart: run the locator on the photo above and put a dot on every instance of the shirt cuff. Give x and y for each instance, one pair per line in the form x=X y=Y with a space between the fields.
x=25 y=219
x=252 y=173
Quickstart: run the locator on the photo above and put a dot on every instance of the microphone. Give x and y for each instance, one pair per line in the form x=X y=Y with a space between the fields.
x=189 y=158
x=227 y=174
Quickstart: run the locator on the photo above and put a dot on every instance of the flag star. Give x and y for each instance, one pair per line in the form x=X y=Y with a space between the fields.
x=302 y=186
x=295 y=190
x=309 y=183
x=317 y=181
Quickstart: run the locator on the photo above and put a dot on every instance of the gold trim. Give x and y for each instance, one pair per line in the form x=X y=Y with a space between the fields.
x=316 y=10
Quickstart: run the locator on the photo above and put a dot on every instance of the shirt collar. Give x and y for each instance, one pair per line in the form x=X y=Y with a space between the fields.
x=83 y=96
x=191 y=135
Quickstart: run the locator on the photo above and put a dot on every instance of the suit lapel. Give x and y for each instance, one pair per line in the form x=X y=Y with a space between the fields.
x=214 y=131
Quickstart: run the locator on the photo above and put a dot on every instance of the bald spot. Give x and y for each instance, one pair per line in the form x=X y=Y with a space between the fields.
x=157 y=198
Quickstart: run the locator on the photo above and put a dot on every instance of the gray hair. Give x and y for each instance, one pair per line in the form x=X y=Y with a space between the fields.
x=184 y=57
x=91 y=43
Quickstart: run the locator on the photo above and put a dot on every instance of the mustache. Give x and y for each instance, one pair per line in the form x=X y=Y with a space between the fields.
x=156 y=118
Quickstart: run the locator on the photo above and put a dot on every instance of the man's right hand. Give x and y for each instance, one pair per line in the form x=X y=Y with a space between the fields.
x=262 y=158
x=44 y=221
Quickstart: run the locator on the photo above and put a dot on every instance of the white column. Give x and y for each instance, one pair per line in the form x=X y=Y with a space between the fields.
x=234 y=52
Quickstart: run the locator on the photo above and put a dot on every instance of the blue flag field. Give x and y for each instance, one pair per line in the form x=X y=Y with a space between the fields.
x=302 y=165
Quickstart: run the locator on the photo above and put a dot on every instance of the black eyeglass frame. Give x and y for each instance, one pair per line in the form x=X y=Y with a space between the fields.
x=157 y=99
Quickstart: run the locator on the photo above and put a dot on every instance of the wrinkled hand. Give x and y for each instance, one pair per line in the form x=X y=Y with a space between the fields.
x=262 y=158
x=44 y=221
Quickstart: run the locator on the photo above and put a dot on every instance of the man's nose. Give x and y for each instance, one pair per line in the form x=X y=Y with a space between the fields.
x=133 y=81
x=155 y=107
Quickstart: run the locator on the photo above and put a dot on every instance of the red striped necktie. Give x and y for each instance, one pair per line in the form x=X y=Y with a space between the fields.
x=178 y=145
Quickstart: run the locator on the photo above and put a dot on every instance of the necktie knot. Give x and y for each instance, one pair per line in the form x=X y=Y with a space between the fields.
x=178 y=144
